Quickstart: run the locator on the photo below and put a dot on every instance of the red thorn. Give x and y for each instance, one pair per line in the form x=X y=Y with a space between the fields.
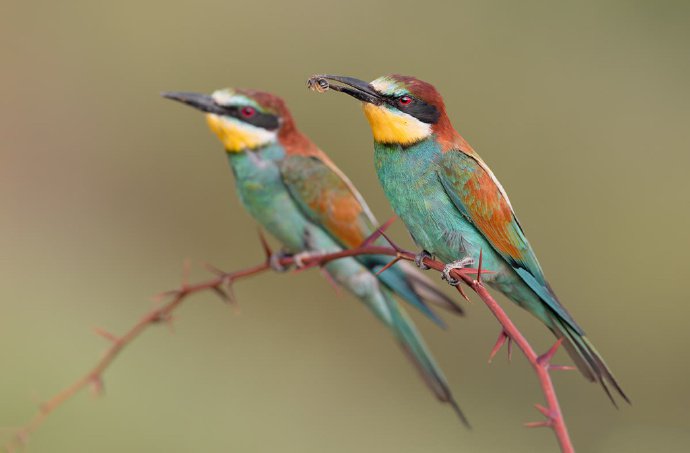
x=471 y=270
x=264 y=245
x=545 y=411
x=376 y=234
x=166 y=318
x=186 y=268
x=169 y=322
x=389 y=265
x=213 y=269
x=562 y=368
x=158 y=298
x=544 y=424
x=97 y=387
x=462 y=293
x=546 y=357
x=225 y=297
x=502 y=338
x=331 y=281
x=479 y=268
x=105 y=334
x=510 y=349
x=391 y=243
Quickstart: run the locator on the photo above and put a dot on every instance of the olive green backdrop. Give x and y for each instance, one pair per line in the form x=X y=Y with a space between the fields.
x=581 y=109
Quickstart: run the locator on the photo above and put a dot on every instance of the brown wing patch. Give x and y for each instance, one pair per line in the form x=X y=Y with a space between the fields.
x=343 y=216
x=491 y=212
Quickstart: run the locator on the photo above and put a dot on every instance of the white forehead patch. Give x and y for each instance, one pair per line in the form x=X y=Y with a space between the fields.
x=223 y=97
x=387 y=86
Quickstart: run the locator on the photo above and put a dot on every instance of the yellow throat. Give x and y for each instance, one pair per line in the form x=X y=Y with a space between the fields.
x=238 y=136
x=389 y=126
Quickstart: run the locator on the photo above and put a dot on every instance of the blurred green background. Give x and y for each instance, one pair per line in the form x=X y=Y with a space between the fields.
x=582 y=109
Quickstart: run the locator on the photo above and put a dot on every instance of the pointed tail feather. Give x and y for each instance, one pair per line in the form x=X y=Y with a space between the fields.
x=587 y=358
x=428 y=291
x=414 y=288
x=417 y=352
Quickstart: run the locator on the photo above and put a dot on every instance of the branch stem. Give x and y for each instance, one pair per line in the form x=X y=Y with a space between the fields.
x=470 y=277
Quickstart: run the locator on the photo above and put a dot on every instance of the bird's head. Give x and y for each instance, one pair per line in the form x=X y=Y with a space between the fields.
x=242 y=119
x=401 y=110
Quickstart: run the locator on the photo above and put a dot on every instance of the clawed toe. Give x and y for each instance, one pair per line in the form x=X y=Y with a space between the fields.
x=302 y=256
x=419 y=260
x=460 y=264
x=276 y=257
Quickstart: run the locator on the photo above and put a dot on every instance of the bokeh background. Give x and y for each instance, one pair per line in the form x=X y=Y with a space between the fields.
x=582 y=109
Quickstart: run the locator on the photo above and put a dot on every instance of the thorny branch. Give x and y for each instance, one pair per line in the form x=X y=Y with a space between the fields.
x=222 y=285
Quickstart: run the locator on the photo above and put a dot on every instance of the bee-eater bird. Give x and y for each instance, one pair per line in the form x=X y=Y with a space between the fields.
x=453 y=205
x=298 y=194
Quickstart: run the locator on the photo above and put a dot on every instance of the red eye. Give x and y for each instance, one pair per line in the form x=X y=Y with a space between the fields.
x=405 y=100
x=248 y=112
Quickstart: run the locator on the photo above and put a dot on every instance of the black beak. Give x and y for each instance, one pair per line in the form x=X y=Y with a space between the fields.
x=202 y=102
x=356 y=88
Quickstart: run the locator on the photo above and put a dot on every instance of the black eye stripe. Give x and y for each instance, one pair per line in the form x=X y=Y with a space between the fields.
x=426 y=113
x=259 y=119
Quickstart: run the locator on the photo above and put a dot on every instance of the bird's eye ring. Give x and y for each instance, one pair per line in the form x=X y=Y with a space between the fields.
x=248 y=112
x=404 y=100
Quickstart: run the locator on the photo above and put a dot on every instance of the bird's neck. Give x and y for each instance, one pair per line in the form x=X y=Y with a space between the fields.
x=395 y=161
x=296 y=143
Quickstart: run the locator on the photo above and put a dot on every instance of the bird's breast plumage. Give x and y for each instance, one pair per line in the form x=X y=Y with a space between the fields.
x=409 y=177
x=264 y=195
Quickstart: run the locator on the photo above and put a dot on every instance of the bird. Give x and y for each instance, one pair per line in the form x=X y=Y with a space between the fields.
x=296 y=192
x=454 y=206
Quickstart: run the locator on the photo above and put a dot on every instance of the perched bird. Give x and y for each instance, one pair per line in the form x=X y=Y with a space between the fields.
x=298 y=194
x=453 y=205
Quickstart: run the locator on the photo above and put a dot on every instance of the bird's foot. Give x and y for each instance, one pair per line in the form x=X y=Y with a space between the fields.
x=419 y=259
x=459 y=264
x=276 y=257
x=302 y=256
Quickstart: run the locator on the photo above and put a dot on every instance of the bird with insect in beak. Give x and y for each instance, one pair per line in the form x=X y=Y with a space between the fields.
x=453 y=205
x=296 y=192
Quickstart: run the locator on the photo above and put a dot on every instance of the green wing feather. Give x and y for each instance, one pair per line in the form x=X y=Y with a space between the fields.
x=479 y=197
x=329 y=199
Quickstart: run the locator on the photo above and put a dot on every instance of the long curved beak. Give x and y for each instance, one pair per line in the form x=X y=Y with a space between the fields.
x=202 y=102
x=356 y=88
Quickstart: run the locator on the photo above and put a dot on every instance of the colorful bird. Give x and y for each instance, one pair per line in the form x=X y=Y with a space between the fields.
x=298 y=194
x=454 y=206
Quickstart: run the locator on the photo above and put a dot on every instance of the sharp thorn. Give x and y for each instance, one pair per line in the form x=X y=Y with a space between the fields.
x=462 y=293
x=502 y=338
x=331 y=281
x=391 y=243
x=546 y=357
x=158 y=298
x=105 y=334
x=545 y=411
x=562 y=368
x=186 y=269
x=544 y=424
x=222 y=294
x=232 y=299
x=479 y=267
x=264 y=245
x=230 y=291
x=97 y=387
x=379 y=231
x=213 y=269
x=390 y=264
